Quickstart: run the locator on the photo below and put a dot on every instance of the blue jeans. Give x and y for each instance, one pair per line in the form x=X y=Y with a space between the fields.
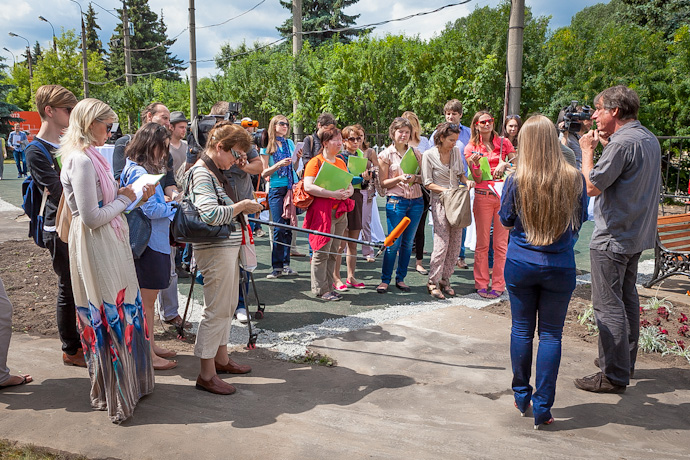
x=282 y=238
x=396 y=209
x=242 y=292
x=462 y=245
x=20 y=160
x=539 y=295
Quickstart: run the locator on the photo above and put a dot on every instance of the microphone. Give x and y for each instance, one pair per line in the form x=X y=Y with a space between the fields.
x=397 y=231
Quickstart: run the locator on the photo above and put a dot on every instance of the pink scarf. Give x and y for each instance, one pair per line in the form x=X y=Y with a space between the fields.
x=108 y=190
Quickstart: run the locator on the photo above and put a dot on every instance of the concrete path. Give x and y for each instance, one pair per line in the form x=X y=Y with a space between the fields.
x=431 y=386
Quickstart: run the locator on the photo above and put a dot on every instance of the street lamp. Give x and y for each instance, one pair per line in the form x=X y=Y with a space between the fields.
x=28 y=53
x=13 y=57
x=85 y=69
x=51 y=26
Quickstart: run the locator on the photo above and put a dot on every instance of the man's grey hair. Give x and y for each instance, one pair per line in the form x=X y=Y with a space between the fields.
x=621 y=97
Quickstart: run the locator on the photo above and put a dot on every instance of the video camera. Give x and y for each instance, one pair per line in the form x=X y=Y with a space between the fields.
x=572 y=119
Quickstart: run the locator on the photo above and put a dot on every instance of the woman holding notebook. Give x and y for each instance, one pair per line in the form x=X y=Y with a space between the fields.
x=486 y=148
x=147 y=153
x=327 y=213
x=400 y=176
x=106 y=292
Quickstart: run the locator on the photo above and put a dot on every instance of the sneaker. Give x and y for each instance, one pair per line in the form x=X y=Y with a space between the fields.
x=241 y=315
x=275 y=274
x=598 y=383
x=259 y=233
x=287 y=271
x=632 y=371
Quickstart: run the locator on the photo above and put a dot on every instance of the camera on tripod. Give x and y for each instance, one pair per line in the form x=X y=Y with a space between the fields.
x=572 y=119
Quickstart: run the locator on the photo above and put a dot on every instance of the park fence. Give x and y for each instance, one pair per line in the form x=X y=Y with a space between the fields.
x=675 y=171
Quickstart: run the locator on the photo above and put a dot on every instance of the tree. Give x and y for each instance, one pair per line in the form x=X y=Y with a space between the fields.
x=149 y=44
x=665 y=16
x=6 y=108
x=35 y=53
x=93 y=43
x=322 y=15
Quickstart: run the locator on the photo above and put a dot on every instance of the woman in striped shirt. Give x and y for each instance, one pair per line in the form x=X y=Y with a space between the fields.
x=219 y=261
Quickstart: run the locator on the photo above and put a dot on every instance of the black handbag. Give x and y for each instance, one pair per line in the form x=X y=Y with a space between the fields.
x=187 y=226
x=139 y=231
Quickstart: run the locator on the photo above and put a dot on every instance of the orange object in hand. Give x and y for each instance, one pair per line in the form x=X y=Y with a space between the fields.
x=397 y=231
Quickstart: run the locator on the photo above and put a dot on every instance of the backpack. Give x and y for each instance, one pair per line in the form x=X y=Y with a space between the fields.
x=34 y=201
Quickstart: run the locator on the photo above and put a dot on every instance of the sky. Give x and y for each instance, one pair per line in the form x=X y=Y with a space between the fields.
x=257 y=25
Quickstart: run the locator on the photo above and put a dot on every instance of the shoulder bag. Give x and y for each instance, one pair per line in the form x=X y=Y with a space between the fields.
x=248 y=259
x=300 y=198
x=187 y=226
x=63 y=219
x=456 y=202
x=139 y=225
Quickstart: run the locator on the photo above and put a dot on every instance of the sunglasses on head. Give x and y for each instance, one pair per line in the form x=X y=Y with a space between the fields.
x=513 y=117
x=485 y=122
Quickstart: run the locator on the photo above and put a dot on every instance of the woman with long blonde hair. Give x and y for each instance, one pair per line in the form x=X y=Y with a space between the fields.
x=543 y=205
x=110 y=316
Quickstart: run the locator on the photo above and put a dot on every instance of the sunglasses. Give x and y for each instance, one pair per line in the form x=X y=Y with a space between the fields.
x=283 y=123
x=513 y=117
x=235 y=154
x=485 y=122
x=68 y=109
x=354 y=139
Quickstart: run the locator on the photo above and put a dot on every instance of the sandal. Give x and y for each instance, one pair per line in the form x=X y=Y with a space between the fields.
x=445 y=287
x=24 y=380
x=342 y=287
x=435 y=291
x=382 y=288
x=331 y=296
x=461 y=264
x=548 y=422
x=355 y=285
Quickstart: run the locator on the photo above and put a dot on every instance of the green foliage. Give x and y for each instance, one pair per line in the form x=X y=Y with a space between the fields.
x=151 y=37
x=586 y=318
x=93 y=43
x=5 y=107
x=651 y=340
x=322 y=15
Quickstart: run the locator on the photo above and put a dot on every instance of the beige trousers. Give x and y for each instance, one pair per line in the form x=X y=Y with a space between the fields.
x=323 y=260
x=220 y=269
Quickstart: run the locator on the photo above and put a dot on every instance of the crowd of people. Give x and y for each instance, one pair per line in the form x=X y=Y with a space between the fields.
x=522 y=193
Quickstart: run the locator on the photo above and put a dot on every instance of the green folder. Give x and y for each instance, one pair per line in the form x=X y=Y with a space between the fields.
x=484 y=168
x=332 y=177
x=356 y=164
x=409 y=163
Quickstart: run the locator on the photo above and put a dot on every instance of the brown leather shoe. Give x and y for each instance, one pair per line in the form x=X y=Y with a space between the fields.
x=76 y=359
x=598 y=383
x=215 y=385
x=232 y=368
x=632 y=371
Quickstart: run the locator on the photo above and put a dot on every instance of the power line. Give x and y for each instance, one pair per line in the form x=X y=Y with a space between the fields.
x=228 y=20
x=342 y=29
x=106 y=10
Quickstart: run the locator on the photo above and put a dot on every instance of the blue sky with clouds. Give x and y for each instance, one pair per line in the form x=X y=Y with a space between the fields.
x=258 y=25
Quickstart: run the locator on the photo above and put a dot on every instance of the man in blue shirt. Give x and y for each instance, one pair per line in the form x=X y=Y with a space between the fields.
x=17 y=143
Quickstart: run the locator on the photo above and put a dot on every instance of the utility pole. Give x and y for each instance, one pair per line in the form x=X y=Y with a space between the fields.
x=296 y=50
x=514 y=58
x=193 y=111
x=128 y=60
x=84 y=61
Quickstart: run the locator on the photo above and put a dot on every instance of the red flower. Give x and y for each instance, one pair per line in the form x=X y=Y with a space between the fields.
x=657 y=321
x=645 y=323
x=683 y=318
x=663 y=331
x=683 y=330
x=681 y=344
x=663 y=312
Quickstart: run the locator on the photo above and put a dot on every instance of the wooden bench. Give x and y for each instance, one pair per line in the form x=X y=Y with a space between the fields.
x=672 y=251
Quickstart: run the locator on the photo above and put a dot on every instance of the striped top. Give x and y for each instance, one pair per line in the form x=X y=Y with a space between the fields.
x=204 y=191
